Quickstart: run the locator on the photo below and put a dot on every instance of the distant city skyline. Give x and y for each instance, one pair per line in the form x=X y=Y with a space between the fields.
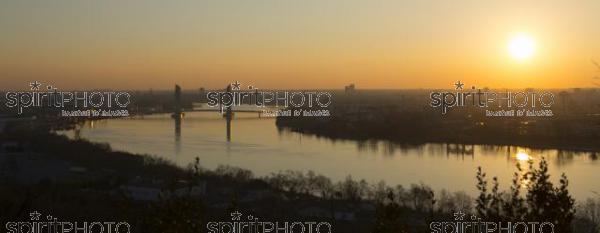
x=142 y=45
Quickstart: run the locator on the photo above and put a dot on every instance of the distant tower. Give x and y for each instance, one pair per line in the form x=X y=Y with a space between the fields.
x=228 y=111
x=177 y=111
x=202 y=93
x=228 y=116
x=350 y=89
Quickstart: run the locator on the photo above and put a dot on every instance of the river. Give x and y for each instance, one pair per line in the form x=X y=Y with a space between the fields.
x=258 y=145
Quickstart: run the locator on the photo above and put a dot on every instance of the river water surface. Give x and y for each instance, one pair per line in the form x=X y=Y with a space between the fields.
x=257 y=144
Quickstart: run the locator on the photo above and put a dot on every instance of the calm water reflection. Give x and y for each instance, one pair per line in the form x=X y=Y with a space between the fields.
x=256 y=144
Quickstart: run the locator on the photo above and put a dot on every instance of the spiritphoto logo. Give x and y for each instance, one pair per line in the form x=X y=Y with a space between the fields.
x=462 y=224
x=508 y=103
x=83 y=103
x=38 y=224
x=251 y=224
x=304 y=103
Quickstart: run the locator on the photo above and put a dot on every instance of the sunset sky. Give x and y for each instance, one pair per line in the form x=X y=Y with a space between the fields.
x=299 y=44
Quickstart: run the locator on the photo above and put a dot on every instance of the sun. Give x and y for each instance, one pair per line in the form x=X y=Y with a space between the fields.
x=521 y=47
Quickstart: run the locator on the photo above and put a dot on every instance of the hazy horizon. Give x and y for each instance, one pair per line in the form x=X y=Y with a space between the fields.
x=341 y=89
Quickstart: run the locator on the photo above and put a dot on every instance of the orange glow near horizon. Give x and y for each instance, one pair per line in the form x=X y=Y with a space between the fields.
x=274 y=44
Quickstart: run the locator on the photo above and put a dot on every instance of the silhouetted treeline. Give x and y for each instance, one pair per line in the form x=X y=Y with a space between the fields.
x=407 y=117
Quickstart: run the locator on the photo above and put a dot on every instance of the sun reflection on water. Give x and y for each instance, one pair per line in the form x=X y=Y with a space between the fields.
x=522 y=156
